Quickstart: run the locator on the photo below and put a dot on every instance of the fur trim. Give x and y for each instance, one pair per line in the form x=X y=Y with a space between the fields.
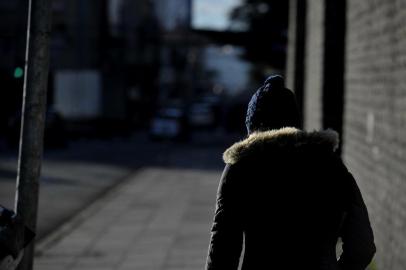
x=280 y=138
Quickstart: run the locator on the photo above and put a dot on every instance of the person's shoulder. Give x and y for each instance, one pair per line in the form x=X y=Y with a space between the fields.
x=263 y=143
x=232 y=171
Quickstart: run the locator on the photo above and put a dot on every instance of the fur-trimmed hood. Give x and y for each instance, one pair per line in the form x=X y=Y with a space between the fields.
x=280 y=138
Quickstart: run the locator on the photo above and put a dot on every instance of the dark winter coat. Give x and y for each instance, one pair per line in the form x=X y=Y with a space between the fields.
x=287 y=195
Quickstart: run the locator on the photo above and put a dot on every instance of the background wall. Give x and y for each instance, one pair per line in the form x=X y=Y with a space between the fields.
x=296 y=49
x=375 y=119
x=313 y=72
x=373 y=97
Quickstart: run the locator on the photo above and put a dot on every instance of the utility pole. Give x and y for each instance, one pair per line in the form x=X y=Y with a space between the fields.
x=33 y=118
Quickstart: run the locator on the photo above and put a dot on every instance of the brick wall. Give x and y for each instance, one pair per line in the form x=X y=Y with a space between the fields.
x=374 y=126
x=313 y=70
x=375 y=119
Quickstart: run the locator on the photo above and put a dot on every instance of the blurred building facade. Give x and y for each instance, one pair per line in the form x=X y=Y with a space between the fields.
x=12 y=52
x=77 y=88
x=104 y=70
x=12 y=32
x=347 y=62
x=77 y=47
x=78 y=34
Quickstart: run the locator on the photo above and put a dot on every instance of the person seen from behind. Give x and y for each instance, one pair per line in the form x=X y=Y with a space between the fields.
x=286 y=196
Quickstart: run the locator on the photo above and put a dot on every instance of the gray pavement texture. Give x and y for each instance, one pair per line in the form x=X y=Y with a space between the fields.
x=159 y=218
x=126 y=203
x=75 y=176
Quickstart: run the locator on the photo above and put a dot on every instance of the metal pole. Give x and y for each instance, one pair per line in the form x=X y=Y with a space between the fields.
x=33 y=118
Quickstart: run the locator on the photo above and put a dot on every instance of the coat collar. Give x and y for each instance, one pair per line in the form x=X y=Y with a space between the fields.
x=279 y=138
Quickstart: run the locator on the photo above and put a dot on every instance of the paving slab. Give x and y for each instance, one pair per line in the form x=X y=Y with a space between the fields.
x=159 y=218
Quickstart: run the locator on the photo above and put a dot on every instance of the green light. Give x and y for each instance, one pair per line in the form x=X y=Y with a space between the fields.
x=18 y=72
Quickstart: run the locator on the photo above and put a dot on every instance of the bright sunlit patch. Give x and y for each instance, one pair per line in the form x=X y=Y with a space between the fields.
x=212 y=14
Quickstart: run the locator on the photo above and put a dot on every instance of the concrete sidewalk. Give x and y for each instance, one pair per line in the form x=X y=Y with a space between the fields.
x=159 y=218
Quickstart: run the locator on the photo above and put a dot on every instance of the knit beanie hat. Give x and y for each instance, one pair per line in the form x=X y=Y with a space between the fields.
x=272 y=107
